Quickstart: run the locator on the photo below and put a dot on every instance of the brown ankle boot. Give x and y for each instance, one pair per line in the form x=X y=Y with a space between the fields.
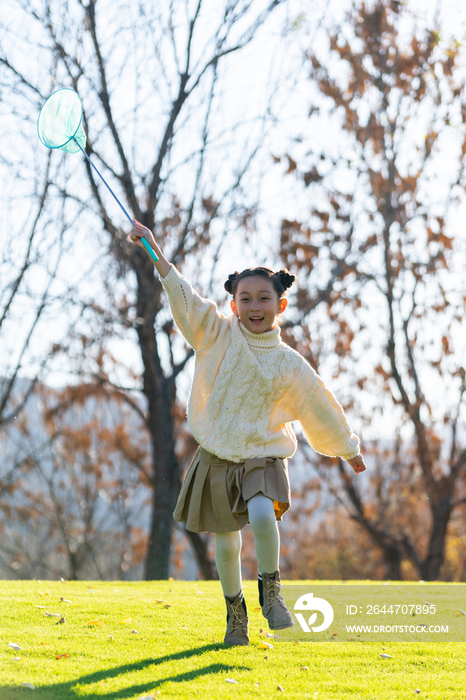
x=273 y=606
x=237 y=621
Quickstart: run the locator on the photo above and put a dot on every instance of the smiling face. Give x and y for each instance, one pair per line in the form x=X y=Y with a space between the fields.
x=257 y=304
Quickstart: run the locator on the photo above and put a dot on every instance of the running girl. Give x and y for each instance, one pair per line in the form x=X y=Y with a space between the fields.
x=248 y=387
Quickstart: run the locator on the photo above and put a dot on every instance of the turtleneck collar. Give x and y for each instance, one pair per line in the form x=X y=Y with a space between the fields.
x=264 y=341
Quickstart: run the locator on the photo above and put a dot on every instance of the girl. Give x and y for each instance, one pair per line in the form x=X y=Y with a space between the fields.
x=248 y=387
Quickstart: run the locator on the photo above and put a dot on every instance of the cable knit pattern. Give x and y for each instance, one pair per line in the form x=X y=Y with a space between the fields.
x=248 y=388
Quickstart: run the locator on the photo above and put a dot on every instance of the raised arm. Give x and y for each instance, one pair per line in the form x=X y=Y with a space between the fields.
x=198 y=319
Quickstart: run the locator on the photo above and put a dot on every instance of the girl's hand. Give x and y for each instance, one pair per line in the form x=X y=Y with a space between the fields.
x=139 y=232
x=357 y=463
x=162 y=265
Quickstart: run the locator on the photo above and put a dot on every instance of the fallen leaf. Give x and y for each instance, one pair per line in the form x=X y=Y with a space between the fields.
x=61 y=621
x=13 y=645
x=304 y=668
x=63 y=580
x=49 y=614
x=64 y=600
x=279 y=687
x=165 y=602
x=18 y=658
x=265 y=645
x=62 y=656
x=461 y=612
x=28 y=685
x=231 y=680
x=264 y=633
x=258 y=608
x=134 y=632
x=417 y=691
x=96 y=623
x=385 y=656
x=200 y=592
x=126 y=621
x=40 y=606
x=111 y=638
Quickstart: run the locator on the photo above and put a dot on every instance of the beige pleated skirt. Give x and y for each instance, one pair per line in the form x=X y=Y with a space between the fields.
x=214 y=492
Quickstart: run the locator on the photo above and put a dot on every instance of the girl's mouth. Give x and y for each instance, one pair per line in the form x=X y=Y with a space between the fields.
x=256 y=320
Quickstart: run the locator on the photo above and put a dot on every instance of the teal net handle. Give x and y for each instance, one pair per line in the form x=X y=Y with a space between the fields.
x=144 y=242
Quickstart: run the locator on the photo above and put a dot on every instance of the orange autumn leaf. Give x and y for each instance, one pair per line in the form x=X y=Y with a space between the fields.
x=96 y=623
x=265 y=645
x=126 y=621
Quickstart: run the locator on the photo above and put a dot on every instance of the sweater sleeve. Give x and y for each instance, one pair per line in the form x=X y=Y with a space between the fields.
x=198 y=319
x=323 y=420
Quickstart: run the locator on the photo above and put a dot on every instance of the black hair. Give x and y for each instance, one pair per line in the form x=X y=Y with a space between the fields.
x=281 y=280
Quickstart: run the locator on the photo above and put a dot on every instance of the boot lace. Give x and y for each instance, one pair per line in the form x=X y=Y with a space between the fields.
x=272 y=594
x=235 y=620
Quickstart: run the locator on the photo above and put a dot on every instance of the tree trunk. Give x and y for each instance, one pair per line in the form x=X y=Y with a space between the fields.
x=430 y=567
x=391 y=552
x=166 y=477
x=160 y=394
x=392 y=561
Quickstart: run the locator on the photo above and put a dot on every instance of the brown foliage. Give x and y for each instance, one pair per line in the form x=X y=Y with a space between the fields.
x=377 y=254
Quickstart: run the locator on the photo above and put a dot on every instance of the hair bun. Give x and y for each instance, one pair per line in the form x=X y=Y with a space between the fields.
x=286 y=278
x=229 y=283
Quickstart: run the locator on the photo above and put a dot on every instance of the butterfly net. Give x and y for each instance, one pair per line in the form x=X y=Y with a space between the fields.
x=60 y=122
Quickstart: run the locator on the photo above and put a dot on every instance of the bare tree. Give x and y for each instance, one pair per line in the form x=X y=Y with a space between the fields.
x=16 y=269
x=154 y=78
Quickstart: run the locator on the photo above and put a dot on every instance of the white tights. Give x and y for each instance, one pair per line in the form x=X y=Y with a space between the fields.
x=266 y=539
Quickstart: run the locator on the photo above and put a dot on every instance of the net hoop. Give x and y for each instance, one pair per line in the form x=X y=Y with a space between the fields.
x=76 y=132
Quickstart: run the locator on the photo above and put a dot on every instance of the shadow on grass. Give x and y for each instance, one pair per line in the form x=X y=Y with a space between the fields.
x=76 y=688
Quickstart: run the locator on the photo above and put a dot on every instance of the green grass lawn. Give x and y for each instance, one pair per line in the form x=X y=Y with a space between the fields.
x=138 y=647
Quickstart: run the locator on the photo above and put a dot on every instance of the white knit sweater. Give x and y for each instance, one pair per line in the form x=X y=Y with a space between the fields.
x=248 y=388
